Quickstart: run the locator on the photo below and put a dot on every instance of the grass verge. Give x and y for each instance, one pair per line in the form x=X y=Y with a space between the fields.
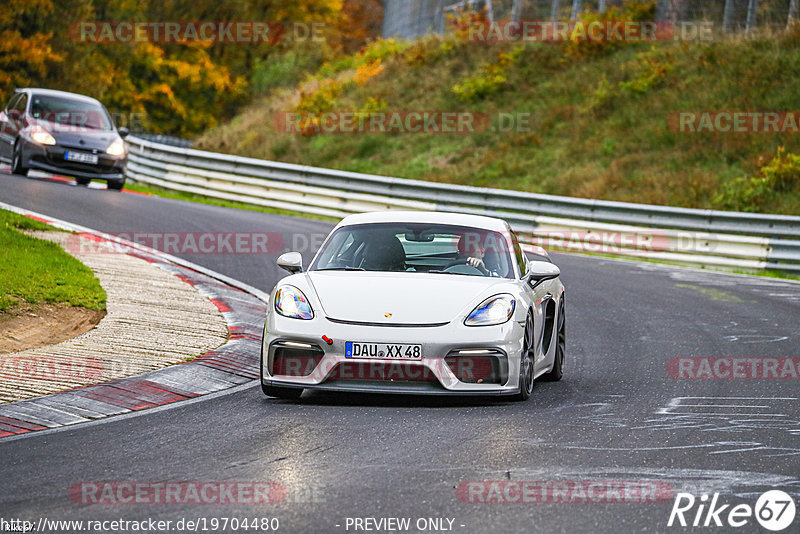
x=34 y=270
x=576 y=121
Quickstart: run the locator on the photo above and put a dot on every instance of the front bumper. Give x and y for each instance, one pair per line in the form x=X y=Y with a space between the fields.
x=51 y=158
x=456 y=359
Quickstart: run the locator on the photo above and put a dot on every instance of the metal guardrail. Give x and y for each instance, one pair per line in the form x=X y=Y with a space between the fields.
x=696 y=237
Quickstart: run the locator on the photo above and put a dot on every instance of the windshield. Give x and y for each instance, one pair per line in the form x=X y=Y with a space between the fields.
x=427 y=248
x=71 y=112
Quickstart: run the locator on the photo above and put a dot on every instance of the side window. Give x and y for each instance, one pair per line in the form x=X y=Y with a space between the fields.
x=518 y=253
x=21 y=104
x=13 y=101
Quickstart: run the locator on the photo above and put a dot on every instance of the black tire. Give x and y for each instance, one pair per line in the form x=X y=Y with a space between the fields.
x=83 y=181
x=526 y=362
x=116 y=185
x=561 y=346
x=16 y=162
x=282 y=393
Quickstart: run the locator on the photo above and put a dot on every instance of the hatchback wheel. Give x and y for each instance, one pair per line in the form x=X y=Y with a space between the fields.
x=16 y=162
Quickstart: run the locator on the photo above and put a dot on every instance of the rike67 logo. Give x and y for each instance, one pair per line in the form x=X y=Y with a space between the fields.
x=774 y=510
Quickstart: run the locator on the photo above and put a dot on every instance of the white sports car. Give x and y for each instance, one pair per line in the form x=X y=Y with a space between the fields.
x=415 y=302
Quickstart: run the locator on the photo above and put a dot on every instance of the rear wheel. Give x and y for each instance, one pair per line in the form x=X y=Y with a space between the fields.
x=16 y=162
x=83 y=181
x=116 y=184
x=561 y=347
x=526 y=362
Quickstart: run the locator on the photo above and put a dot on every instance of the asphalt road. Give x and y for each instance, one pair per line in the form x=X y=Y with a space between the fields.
x=616 y=416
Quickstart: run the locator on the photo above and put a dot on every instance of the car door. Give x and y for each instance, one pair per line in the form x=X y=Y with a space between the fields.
x=8 y=128
x=541 y=299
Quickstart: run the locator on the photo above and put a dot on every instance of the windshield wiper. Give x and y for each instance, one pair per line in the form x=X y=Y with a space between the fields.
x=341 y=269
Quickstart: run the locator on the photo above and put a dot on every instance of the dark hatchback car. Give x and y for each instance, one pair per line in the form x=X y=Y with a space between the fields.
x=63 y=133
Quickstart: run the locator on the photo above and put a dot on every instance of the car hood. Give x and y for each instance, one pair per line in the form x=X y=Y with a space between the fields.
x=402 y=298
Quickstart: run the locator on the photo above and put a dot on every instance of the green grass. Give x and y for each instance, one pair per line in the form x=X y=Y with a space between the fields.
x=599 y=121
x=34 y=271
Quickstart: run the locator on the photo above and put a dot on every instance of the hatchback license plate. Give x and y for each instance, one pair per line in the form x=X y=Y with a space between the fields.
x=392 y=351
x=81 y=157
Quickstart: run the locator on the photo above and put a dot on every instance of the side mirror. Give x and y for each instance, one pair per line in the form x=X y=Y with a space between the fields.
x=539 y=271
x=291 y=261
x=123 y=132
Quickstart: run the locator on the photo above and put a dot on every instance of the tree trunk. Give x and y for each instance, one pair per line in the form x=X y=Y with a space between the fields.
x=672 y=10
x=752 y=15
x=555 y=9
x=516 y=10
x=793 y=11
x=576 y=8
x=602 y=6
x=490 y=11
x=727 y=16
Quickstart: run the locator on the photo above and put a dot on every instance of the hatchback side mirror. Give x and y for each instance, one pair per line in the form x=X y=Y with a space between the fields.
x=539 y=271
x=291 y=261
x=123 y=132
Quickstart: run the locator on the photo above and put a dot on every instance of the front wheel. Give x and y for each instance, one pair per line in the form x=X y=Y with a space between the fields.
x=282 y=393
x=16 y=162
x=83 y=181
x=116 y=184
x=561 y=347
x=526 y=362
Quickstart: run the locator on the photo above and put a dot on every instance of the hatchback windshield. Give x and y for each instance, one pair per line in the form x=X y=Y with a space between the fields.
x=71 y=112
x=427 y=248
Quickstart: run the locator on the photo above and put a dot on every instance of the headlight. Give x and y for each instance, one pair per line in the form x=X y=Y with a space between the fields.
x=42 y=136
x=290 y=302
x=492 y=311
x=117 y=148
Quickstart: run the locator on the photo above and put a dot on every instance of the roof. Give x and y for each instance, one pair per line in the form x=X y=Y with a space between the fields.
x=430 y=217
x=54 y=92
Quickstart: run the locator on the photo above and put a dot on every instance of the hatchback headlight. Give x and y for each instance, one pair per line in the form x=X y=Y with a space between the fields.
x=492 y=311
x=117 y=148
x=291 y=302
x=42 y=136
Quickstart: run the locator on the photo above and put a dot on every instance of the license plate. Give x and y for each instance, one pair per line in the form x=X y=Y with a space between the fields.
x=81 y=157
x=393 y=351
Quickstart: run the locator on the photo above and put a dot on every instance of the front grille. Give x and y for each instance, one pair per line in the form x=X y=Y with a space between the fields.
x=478 y=366
x=294 y=361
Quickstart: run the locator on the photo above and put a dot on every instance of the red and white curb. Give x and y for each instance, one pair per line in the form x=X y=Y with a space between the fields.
x=234 y=363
